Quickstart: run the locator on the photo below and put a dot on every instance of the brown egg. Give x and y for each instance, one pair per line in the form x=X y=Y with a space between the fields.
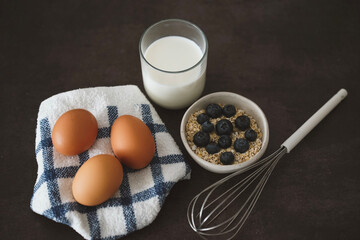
x=97 y=180
x=74 y=132
x=132 y=142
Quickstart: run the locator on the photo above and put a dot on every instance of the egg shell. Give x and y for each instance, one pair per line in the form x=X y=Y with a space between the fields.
x=132 y=142
x=97 y=180
x=74 y=132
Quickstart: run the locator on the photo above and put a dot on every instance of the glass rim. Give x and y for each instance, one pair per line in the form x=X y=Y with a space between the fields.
x=178 y=20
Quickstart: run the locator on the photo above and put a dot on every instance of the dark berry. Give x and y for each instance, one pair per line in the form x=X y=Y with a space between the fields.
x=229 y=110
x=250 y=135
x=227 y=158
x=201 y=139
x=207 y=127
x=202 y=118
x=224 y=127
x=242 y=122
x=224 y=141
x=241 y=145
x=213 y=110
x=212 y=148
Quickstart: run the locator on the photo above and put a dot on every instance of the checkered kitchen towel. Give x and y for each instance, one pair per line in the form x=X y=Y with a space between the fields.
x=142 y=192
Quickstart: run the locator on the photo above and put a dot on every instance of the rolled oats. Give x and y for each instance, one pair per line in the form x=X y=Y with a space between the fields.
x=193 y=127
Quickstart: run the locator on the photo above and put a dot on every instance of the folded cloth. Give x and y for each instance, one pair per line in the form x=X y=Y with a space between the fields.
x=142 y=192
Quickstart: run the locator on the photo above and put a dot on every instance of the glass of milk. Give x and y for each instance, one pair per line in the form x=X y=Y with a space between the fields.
x=173 y=56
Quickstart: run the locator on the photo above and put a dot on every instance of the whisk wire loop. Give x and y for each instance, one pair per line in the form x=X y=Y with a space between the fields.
x=191 y=206
x=200 y=223
x=244 y=184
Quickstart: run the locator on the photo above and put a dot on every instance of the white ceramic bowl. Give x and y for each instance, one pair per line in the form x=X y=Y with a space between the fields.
x=239 y=102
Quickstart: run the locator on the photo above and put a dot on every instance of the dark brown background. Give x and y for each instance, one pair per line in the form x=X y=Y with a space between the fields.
x=288 y=56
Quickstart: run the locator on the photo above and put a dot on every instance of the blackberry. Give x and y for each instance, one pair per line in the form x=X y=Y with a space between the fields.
x=212 y=148
x=224 y=141
x=242 y=122
x=207 y=127
x=250 y=135
x=224 y=127
x=202 y=118
x=227 y=158
x=241 y=145
x=213 y=110
x=201 y=139
x=229 y=110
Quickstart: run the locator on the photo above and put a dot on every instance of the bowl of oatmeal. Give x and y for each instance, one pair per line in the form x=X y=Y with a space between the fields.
x=224 y=132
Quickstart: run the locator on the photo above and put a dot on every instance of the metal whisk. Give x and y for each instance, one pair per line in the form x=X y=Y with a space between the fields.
x=220 y=210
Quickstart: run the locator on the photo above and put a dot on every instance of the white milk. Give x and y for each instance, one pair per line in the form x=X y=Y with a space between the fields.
x=172 y=88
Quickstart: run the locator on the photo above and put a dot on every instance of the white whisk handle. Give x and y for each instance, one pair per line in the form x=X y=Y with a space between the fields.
x=314 y=120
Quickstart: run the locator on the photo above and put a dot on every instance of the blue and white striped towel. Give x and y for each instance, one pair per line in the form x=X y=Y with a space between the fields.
x=142 y=192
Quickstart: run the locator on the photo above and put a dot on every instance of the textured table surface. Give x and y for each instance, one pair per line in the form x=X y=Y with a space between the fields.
x=289 y=57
